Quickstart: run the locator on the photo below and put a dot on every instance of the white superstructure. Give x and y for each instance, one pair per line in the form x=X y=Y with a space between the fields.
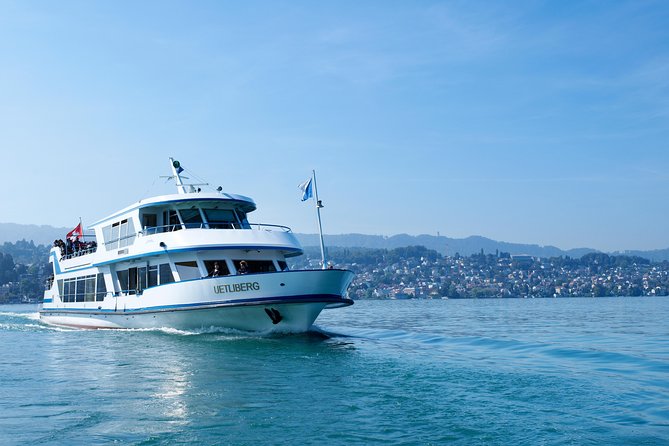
x=179 y=261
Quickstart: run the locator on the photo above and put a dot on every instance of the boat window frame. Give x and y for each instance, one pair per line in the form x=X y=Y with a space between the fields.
x=189 y=270
x=252 y=270
x=223 y=265
x=188 y=224
x=100 y=287
x=222 y=224
x=165 y=271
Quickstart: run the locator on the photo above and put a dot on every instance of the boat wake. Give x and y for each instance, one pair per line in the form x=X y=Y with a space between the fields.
x=32 y=316
x=231 y=333
x=13 y=321
x=18 y=321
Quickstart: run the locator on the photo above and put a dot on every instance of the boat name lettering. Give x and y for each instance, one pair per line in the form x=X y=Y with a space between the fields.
x=236 y=287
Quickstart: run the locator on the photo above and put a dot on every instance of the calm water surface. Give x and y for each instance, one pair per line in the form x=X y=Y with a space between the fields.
x=462 y=372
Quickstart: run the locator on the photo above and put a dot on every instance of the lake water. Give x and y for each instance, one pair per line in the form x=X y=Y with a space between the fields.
x=462 y=372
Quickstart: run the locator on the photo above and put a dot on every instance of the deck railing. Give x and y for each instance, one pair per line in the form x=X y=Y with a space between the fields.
x=149 y=230
x=65 y=254
x=87 y=245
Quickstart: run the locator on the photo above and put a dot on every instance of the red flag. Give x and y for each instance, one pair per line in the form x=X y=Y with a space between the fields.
x=75 y=233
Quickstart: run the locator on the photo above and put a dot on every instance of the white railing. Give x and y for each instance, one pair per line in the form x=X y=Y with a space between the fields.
x=149 y=230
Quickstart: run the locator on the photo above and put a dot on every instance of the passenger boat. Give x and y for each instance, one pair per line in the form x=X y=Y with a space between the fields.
x=189 y=261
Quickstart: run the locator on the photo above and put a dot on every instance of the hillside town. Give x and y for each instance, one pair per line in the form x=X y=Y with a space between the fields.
x=416 y=272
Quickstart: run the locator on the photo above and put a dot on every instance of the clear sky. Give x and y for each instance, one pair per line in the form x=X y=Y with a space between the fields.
x=527 y=121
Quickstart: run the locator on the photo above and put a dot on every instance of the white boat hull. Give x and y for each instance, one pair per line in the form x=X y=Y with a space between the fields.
x=287 y=301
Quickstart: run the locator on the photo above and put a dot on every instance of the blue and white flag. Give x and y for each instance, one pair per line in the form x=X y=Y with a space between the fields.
x=307 y=189
x=180 y=169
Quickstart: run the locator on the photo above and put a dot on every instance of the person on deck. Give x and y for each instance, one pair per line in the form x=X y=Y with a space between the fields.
x=215 y=272
x=243 y=267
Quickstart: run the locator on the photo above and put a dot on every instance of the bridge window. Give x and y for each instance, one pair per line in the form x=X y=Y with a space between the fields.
x=191 y=218
x=221 y=218
x=241 y=215
x=149 y=220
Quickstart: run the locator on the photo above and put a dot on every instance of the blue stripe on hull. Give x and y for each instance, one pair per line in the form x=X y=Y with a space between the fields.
x=324 y=298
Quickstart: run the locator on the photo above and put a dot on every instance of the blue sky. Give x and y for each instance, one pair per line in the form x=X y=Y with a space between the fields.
x=532 y=122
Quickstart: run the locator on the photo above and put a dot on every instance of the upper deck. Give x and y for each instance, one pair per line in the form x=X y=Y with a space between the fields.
x=190 y=220
x=183 y=201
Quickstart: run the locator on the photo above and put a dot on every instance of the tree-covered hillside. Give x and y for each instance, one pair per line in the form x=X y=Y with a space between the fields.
x=23 y=271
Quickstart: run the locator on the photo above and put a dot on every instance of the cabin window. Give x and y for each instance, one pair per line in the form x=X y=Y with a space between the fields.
x=77 y=289
x=132 y=281
x=283 y=265
x=81 y=288
x=153 y=275
x=119 y=234
x=89 y=293
x=101 y=288
x=136 y=280
x=257 y=266
x=123 y=280
x=141 y=278
x=127 y=236
x=222 y=267
x=166 y=275
x=221 y=218
x=192 y=218
x=67 y=291
x=115 y=234
x=187 y=270
x=128 y=280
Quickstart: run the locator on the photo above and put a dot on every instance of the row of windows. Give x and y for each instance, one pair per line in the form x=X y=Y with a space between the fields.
x=189 y=270
x=119 y=234
x=252 y=266
x=122 y=233
x=135 y=280
x=83 y=289
x=215 y=218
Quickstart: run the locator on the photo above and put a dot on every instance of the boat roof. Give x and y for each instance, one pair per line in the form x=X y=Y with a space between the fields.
x=167 y=201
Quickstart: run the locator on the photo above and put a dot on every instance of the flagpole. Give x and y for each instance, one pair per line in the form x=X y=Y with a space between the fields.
x=319 y=205
x=82 y=230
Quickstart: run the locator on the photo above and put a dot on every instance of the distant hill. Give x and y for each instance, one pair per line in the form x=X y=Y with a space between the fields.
x=44 y=234
x=656 y=255
x=40 y=234
x=443 y=245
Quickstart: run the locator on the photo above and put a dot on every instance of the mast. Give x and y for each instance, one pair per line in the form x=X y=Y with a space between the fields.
x=319 y=205
x=176 y=170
